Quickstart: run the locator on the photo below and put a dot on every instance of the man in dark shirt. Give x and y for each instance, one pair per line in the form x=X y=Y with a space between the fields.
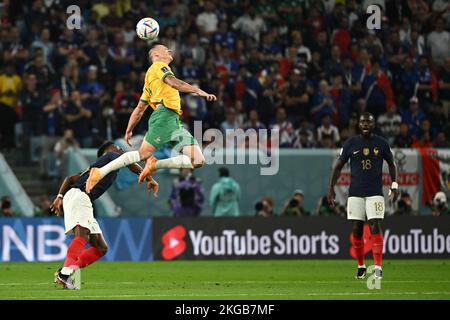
x=79 y=214
x=365 y=198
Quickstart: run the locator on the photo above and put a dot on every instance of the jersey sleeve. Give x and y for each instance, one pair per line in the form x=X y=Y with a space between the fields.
x=344 y=155
x=162 y=70
x=146 y=93
x=387 y=152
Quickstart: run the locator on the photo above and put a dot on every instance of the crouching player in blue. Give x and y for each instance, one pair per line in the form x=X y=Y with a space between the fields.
x=365 y=198
x=79 y=217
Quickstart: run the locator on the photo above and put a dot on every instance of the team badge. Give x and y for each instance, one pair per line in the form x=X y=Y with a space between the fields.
x=375 y=151
x=158 y=139
x=164 y=69
x=366 y=151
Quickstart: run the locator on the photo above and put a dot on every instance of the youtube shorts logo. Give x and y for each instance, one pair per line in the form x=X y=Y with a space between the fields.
x=173 y=242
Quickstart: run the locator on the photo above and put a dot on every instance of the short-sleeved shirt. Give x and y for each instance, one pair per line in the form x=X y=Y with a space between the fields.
x=156 y=91
x=366 y=164
x=104 y=184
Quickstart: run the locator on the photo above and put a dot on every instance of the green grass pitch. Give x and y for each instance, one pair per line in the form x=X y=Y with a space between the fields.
x=229 y=280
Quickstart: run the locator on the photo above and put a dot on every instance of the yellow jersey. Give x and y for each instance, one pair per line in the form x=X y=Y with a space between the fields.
x=156 y=91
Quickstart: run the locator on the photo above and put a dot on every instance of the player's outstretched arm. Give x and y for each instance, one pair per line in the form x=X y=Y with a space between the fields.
x=136 y=115
x=57 y=203
x=333 y=179
x=183 y=86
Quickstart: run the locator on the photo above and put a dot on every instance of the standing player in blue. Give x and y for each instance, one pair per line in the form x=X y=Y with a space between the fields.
x=365 y=198
x=79 y=217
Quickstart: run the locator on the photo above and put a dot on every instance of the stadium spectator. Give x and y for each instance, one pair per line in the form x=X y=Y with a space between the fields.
x=405 y=205
x=187 y=195
x=44 y=208
x=389 y=124
x=294 y=206
x=77 y=118
x=324 y=210
x=427 y=85
x=6 y=209
x=10 y=87
x=285 y=127
x=207 y=21
x=439 y=206
x=403 y=138
x=438 y=42
x=264 y=208
x=225 y=195
x=250 y=24
x=65 y=144
x=32 y=101
x=327 y=129
x=413 y=117
x=444 y=86
x=297 y=95
x=323 y=103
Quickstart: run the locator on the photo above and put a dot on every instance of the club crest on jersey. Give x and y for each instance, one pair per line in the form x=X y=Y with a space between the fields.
x=164 y=69
x=366 y=151
x=375 y=151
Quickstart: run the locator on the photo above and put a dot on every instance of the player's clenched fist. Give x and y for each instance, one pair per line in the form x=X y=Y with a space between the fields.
x=330 y=197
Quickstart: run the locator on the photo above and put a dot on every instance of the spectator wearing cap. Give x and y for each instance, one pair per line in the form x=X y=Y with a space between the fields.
x=297 y=95
x=225 y=195
x=389 y=124
x=294 y=206
x=413 y=117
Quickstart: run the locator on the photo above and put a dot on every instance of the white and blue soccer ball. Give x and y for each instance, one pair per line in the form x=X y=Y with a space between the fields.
x=147 y=29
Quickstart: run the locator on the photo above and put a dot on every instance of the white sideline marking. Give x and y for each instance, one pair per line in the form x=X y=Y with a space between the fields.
x=237 y=294
x=231 y=282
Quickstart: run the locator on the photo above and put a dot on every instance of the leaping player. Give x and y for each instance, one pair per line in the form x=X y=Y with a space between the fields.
x=161 y=92
x=79 y=215
x=365 y=198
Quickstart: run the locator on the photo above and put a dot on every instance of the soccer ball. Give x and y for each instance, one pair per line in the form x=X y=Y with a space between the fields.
x=147 y=29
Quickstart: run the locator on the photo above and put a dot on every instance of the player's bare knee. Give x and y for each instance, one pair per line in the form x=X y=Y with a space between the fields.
x=103 y=250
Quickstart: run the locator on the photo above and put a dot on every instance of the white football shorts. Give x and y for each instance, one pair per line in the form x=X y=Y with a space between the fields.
x=78 y=210
x=358 y=208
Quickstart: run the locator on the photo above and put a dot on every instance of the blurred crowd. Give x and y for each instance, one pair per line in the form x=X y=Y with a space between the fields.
x=308 y=68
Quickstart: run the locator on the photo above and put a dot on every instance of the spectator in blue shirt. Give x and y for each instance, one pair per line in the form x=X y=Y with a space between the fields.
x=413 y=117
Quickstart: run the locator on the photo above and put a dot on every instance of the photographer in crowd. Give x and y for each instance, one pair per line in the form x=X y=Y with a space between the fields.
x=294 y=206
x=439 y=206
x=264 y=208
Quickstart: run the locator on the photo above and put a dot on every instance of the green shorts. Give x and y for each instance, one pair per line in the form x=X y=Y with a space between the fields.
x=165 y=127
